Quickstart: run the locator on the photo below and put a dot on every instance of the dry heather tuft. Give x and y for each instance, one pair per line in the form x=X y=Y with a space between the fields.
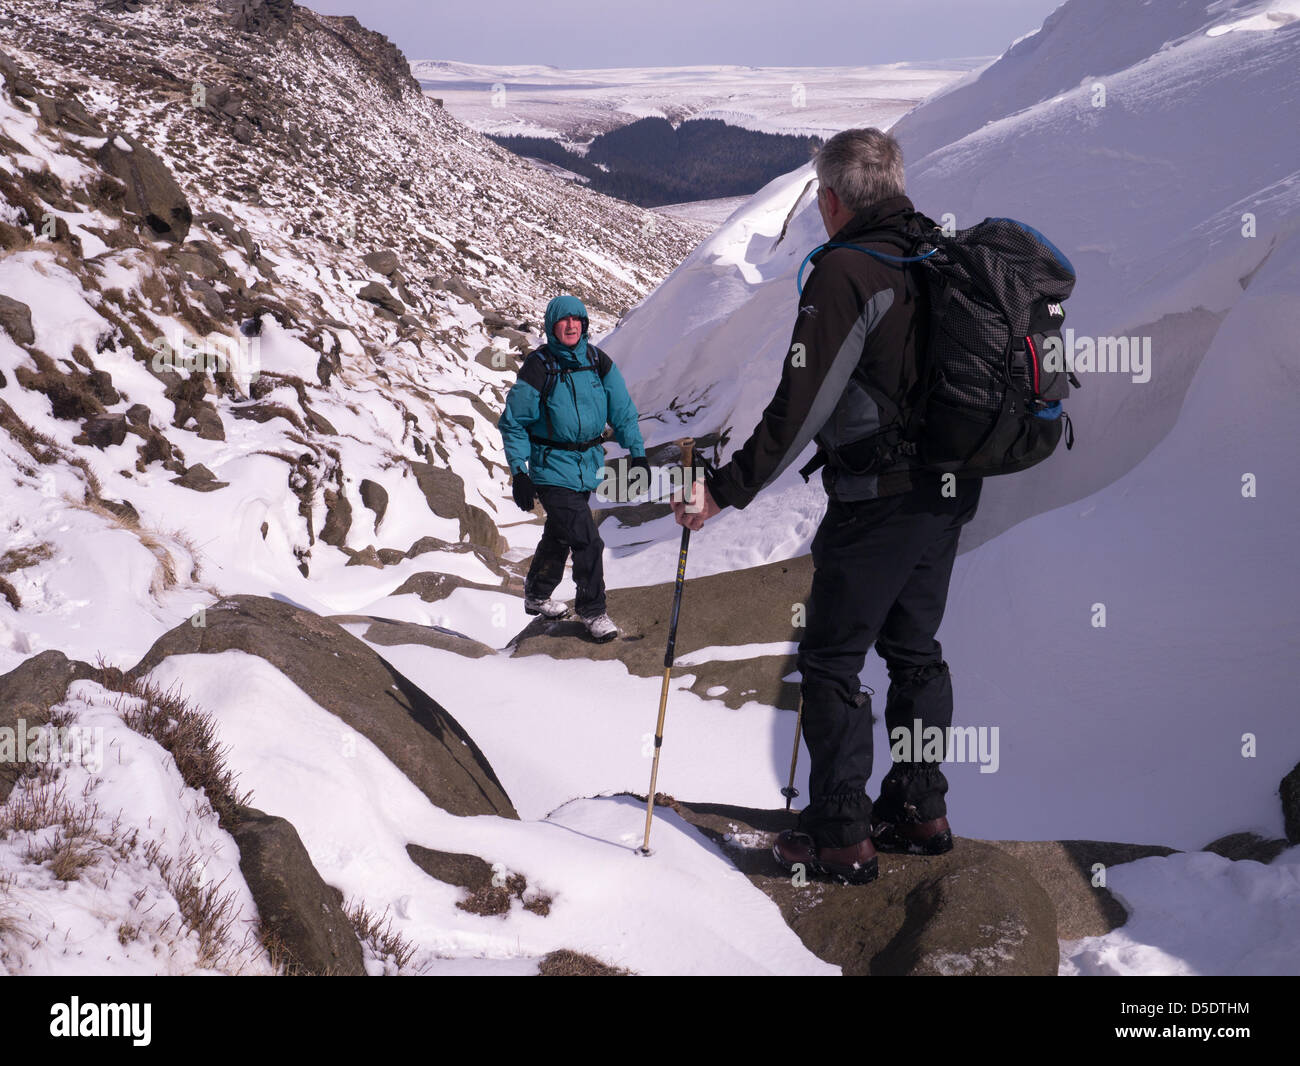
x=377 y=931
x=157 y=542
x=566 y=963
x=186 y=733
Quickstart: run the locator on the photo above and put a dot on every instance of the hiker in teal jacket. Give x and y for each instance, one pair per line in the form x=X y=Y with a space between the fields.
x=554 y=448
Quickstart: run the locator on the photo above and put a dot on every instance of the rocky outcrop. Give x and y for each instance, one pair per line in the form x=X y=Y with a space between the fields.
x=1289 y=790
x=102 y=431
x=302 y=917
x=375 y=497
x=151 y=190
x=385 y=60
x=976 y=911
x=338 y=518
x=27 y=693
x=348 y=679
x=374 y=293
x=445 y=493
x=382 y=261
x=16 y=320
x=1067 y=871
x=266 y=18
x=390 y=633
x=199 y=478
x=1247 y=846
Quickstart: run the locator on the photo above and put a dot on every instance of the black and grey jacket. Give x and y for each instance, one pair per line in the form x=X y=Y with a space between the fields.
x=850 y=365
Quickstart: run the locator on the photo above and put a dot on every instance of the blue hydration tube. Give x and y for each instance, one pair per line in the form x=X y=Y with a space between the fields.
x=885 y=256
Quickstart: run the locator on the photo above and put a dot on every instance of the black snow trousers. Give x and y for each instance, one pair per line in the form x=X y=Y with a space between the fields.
x=569 y=528
x=880 y=576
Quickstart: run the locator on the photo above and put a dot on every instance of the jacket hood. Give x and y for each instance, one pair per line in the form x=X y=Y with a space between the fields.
x=562 y=307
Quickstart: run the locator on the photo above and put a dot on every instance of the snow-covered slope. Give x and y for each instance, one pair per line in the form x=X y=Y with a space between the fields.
x=1132 y=732
x=310 y=151
x=575 y=105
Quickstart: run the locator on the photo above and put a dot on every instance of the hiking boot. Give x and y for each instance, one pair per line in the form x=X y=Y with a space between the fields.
x=601 y=628
x=854 y=865
x=913 y=838
x=546 y=608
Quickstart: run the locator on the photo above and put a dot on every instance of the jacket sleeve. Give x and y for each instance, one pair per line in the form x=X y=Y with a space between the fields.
x=834 y=320
x=622 y=412
x=522 y=410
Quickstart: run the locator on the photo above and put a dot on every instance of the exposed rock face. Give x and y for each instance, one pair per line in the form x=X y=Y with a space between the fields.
x=301 y=915
x=1066 y=869
x=151 y=191
x=975 y=911
x=338 y=518
x=375 y=496
x=348 y=679
x=267 y=18
x=376 y=294
x=445 y=492
x=27 y=693
x=200 y=479
x=1289 y=790
x=102 y=431
x=382 y=261
x=16 y=320
x=709 y=617
x=385 y=59
x=70 y=114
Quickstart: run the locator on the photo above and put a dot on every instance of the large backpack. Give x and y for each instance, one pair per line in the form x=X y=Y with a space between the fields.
x=543 y=372
x=986 y=400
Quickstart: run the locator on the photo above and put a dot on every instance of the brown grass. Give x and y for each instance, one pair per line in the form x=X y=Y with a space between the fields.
x=68 y=856
x=488 y=900
x=22 y=558
x=206 y=910
x=566 y=963
x=81 y=839
x=187 y=734
x=10 y=925
x=78 y=842
x=165 y=575
x=377 y=931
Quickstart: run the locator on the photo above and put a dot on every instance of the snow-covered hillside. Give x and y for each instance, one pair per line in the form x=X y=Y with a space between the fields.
x=325 y=559
x=391 y=262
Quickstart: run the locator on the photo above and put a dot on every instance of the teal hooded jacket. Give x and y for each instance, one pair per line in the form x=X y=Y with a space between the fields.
x=580 y=405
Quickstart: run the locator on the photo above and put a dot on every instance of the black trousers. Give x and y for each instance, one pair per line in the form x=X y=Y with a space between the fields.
x=569 y=528
x=880 y=576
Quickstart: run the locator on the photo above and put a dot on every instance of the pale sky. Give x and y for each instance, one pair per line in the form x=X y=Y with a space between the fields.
x=670 y=33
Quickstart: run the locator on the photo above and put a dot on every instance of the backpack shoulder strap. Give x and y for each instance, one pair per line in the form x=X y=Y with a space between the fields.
x=600 y=360
x=536 y=371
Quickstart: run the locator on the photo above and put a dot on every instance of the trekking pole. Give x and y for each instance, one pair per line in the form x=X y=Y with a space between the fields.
x=687 y=445
x=789 y=792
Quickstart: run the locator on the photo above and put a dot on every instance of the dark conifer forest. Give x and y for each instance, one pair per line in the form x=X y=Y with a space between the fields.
x=650 y=162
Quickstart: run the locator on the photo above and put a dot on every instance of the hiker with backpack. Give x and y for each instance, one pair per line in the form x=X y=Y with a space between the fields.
x=553 y=430
x=903 y=443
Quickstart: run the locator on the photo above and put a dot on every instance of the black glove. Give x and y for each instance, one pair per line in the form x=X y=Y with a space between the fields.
x=638 y=476
x=521 y=487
